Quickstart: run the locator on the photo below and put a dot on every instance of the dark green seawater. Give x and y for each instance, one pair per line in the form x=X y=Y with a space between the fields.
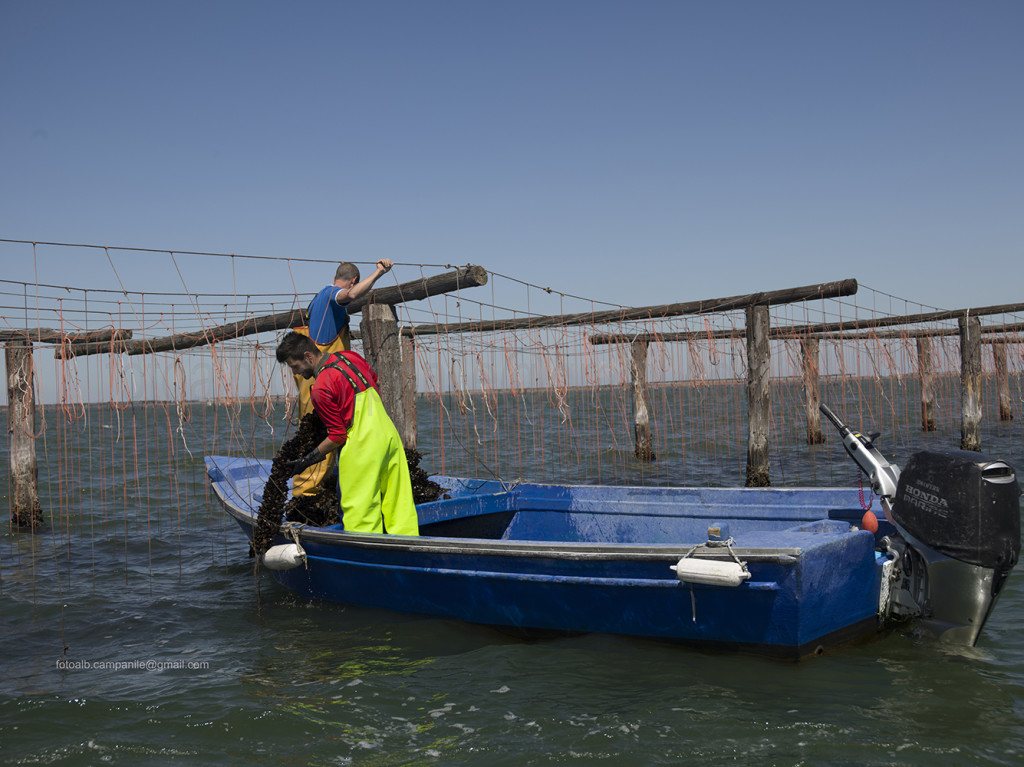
x=134 y=631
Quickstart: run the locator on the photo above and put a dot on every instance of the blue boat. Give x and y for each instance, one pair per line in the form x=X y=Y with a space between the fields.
x=786 y=572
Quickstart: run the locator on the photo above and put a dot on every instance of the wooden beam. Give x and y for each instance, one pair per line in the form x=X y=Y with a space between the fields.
x=758 y=396
x=830 y=331
x=927 y=381
x=643 y=444
x=1013 y=327
x=598 y=339
x=812 y=389
x=21 y=427
x=409 y=435
x=908 y=319
x=50 y=336
x=382 y=349
x=706 y=306
x=415 y=290
x=970 y=383
x=1003 y=382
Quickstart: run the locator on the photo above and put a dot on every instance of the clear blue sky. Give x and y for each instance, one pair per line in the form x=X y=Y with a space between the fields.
x=632 y=152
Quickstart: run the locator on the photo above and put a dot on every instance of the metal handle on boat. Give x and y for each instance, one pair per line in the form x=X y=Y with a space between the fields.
x=881 y=474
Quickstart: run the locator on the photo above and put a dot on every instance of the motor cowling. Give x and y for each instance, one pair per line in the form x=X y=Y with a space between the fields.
x=962 y=505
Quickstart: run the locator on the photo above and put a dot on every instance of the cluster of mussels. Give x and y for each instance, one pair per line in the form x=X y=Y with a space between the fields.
x=310 y=433
x=423 y=489
x=320 y=508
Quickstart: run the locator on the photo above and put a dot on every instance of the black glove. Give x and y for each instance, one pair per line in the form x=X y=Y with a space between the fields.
x=294 y=467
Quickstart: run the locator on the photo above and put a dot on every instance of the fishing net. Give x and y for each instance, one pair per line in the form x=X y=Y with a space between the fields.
x=134 y=384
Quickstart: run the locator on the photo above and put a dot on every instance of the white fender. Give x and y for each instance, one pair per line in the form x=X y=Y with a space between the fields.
x=284 y=556
x=709 y=571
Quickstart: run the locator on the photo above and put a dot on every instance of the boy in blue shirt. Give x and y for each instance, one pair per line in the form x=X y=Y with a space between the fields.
x=328 y=327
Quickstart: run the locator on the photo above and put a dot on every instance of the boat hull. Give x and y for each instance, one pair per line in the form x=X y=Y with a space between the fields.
x=600 y=560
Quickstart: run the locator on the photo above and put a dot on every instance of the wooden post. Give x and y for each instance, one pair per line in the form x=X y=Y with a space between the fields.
x=970 y=383
x=812 y=390
x=1003 y=381
x=644 y=449
x=21 y=427
x=382 y=349
x=758 y=396
x=926 y=376
x=409 y=391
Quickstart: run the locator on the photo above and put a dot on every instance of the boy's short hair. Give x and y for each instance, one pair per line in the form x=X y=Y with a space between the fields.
x=347 y=271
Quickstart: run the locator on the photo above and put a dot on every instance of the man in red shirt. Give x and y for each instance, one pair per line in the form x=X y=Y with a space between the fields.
x=373 y=475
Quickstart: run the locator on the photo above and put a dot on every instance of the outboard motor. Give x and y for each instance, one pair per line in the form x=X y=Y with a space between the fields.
x=958 y=517
x=960 y=513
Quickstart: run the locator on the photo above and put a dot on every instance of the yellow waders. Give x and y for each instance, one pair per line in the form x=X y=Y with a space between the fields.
x=306 y=481
x=373 y=475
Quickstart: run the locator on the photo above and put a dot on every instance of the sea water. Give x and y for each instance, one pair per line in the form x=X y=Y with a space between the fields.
x=135 y=632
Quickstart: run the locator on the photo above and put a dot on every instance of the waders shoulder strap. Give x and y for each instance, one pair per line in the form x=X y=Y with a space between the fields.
x=343 y=365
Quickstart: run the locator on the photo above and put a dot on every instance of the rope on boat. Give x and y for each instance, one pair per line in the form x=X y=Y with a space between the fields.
x=727 y=544
x=286 y=556
x=710 y=572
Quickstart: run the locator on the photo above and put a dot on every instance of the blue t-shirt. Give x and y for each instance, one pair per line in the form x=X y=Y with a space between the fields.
x=326 y=317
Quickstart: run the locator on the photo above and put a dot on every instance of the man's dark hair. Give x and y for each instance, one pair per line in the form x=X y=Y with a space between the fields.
x=347 y=271
x=293 y=346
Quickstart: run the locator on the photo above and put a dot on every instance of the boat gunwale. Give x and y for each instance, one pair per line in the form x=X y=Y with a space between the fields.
x=637 y=552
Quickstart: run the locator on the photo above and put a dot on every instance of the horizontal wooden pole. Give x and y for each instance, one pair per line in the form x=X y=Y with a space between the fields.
x=50 y=336
x=415 y=290
x=598 y=339
x=1015 y=327
x=706 y=306
x=833 y=329
x=905 y=319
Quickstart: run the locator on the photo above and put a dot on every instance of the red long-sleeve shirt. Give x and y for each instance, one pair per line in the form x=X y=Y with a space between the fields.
x=334 y=399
